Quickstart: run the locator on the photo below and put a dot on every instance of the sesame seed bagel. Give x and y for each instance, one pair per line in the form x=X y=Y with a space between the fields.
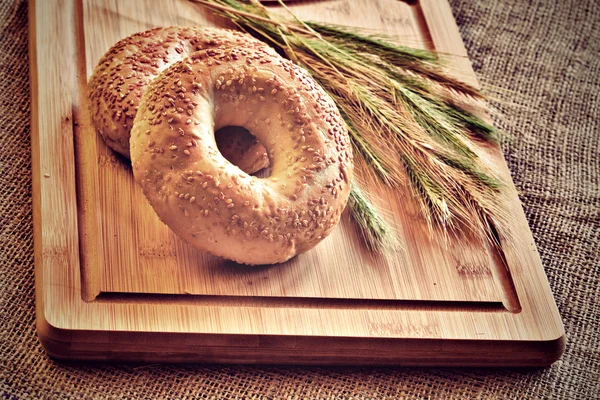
x=123 y=73
x=211 y=203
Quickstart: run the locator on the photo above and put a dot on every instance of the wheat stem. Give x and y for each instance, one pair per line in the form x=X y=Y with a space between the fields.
x=402 y=119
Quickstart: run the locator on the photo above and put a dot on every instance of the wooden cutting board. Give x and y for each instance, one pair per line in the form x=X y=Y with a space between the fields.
x=114 y=283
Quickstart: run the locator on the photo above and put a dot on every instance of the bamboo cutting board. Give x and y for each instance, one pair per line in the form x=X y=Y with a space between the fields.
x=114 y=283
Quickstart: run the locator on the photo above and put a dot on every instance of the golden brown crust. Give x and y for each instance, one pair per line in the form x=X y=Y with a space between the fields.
x=123 y=73
x=214 y=205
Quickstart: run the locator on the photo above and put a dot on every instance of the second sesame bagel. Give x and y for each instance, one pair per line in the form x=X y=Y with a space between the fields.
x=209 y=202
x=124 y=72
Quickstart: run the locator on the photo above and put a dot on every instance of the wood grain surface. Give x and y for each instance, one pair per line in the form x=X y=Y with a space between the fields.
x=113 y=282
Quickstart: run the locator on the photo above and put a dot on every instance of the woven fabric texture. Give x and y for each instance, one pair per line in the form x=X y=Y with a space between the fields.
x=541 y=60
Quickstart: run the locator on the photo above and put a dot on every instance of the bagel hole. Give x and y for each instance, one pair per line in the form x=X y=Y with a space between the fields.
x=243 y=150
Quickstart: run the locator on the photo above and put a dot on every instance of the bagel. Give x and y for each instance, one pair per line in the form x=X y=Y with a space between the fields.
x=209 y=202
x=123 y=73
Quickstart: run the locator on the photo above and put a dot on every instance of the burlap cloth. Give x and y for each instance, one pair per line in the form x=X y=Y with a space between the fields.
x=541 y=59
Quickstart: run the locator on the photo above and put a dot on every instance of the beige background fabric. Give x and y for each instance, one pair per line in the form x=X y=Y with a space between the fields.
x=540 y=59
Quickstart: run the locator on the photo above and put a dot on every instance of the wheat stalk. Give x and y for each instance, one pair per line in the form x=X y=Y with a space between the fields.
x=401 y=117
